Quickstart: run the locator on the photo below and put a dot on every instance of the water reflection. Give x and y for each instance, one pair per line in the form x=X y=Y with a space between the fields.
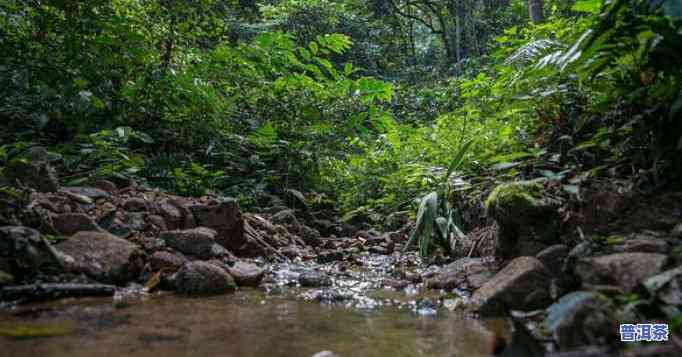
x=243 y=324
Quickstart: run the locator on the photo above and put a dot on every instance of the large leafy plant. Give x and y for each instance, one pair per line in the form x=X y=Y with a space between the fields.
x=436 y=217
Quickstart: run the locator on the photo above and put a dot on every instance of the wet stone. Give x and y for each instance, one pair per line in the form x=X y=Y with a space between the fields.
x=469 y=272
x=314 y=278
x=396 y=284
x=523 y=284
x=203 y=278
x=246 y=274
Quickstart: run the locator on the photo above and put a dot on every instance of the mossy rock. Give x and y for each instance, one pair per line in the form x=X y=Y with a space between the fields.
x=528 y=220
x=509 y=197
x=34 y=174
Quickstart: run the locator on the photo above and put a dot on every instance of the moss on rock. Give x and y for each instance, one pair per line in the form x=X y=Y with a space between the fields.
x=512 y=197
x=528 y=220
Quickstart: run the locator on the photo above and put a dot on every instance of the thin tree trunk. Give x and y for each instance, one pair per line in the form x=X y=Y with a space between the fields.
x=535 y=10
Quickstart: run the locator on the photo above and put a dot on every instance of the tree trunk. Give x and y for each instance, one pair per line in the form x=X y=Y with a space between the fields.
x=535 y=10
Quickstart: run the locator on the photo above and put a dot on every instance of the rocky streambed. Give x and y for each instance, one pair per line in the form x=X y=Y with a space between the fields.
x=94 y=264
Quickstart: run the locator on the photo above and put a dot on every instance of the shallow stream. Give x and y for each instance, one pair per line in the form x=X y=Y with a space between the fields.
x=248 y=323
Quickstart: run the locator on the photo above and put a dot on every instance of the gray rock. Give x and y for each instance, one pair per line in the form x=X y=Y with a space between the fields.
x=90 y=192
x=24 y=252
x=157 y=221
x=135 y=205
x=625 y=270
x=202 y=278
x=171 y=214
x=467 y=272
x=580 y=319
x=35 y=174
x=106 y=185
x=68 y=224
x=521 y=285
x=643 y=245
x=246 y=274
x=226 y=219
x=104 y=257
x=135 y=221
x=166 y=260
x=199 y=242
x=314 y=278
x=667 y=286
x=553 y=258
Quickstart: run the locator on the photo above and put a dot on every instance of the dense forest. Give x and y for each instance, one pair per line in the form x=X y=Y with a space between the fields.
x=465 y=129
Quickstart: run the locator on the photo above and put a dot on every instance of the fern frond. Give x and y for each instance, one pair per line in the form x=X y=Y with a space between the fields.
x=531 y=51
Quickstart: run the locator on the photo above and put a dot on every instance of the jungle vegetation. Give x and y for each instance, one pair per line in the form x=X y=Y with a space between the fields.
x=363 y=107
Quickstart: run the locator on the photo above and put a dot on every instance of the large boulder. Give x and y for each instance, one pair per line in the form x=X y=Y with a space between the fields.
x=528 y=220
x=104 y=257
x=626 y=270
x=580 y=319
x=523 y=284
x=226 y=219
x=23 y=252
x=35 y=174
x=68 y=224
x=199 y=242
x=203 y=278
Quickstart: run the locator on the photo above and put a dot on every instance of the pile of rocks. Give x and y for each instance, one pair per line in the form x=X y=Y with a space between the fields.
x=116 y=235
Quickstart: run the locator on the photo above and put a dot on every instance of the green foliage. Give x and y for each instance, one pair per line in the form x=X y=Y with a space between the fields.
x=435 y=213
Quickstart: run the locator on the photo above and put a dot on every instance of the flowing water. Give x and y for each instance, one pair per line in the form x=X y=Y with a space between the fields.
x=248 y=323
